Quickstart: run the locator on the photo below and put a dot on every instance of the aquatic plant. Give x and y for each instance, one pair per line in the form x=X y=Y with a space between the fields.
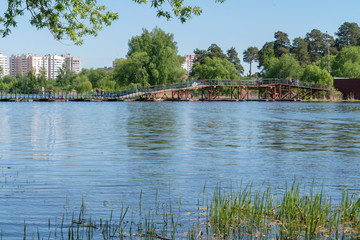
x=231 y=213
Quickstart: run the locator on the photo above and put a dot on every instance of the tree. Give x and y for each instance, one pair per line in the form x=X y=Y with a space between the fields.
x=348 y=35
x=215 y=68
x=319 y=45
x=326 y=62
x=347 y=63
x=233 y=57
x=299 y=48
x=163 y=65
x=214 y=51
x=132 y=70
x=315 y=74
x=95 y=75
x=75 y=19
x=284 y=67
x=250 y=55
x=82 y=83
x=265 y=52
x=178 y=9
x=66 y=78
x=281 y=43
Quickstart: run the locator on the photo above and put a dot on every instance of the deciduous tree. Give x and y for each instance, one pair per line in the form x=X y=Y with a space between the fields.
x=215 y=68
x=347 y=63
x=284 y=67
x=315 y=74
x=155 y=54
x=75 y=19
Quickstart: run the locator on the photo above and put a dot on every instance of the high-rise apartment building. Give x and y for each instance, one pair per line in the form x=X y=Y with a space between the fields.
x=72 y=63
x=39 y=65
x=55 y=64
x=188 y=63
x=19 y=64
x=4 y=67
x=48 y=64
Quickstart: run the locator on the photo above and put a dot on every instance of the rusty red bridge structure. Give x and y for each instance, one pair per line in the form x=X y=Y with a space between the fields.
x=198 y=90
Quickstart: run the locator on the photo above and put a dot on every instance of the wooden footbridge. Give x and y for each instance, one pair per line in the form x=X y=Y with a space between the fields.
x=200 y=90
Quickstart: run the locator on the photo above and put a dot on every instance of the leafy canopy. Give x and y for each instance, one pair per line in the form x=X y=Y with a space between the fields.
x=215 y=68
x=347 y=63
x=75 y=19
x=152 y=59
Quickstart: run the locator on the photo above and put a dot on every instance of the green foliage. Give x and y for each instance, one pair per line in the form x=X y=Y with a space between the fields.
x=76 y=19
x=215 y=68
x=284 y=67
x=177 y=9
x=316 y=74
x=99 y=78
x=133 y=69
x=215 y=52
x=250 y=55
x=233 y=57
x=319 y=45
x=72 y=19
x=82 y=83
x=300 y=49
x=266 y=51
x=155 y=54
x=65 y=79
x=348 y=35
x=281 y=43
x=324 y=62
x=347 y=63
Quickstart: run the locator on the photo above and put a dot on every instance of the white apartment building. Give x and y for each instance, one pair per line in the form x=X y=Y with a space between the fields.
x=55 y=64
x=188 y=63
x=4 y=65
x=39 y=64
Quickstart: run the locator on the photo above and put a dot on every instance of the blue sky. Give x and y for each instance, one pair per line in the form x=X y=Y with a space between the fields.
x=236 y=23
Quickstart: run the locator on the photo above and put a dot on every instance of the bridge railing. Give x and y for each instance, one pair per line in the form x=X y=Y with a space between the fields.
x=140 y=91
x=252 y=82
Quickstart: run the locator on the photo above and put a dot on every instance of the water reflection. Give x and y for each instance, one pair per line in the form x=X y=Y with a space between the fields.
x=106 y=152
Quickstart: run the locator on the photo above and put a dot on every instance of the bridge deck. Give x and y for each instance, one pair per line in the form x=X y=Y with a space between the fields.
x=204 y=90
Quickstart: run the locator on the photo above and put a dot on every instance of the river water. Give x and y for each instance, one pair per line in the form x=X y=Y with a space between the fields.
x=55 y=156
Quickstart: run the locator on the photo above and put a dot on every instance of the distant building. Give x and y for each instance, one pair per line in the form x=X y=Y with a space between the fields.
x=72 y=63
x=56 y=63
x=39 y=65
x=188 y=63
x=19 y=64
x=48 y=64
x=4 y=66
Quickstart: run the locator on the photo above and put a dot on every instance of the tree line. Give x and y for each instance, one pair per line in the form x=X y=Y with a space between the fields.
x=152 y=59
x=317 y=57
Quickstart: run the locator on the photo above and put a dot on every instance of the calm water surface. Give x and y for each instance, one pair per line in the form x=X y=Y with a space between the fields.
x=53 y=156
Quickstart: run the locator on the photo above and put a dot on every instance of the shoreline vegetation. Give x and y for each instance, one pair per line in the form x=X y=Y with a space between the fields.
x=241 y=212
